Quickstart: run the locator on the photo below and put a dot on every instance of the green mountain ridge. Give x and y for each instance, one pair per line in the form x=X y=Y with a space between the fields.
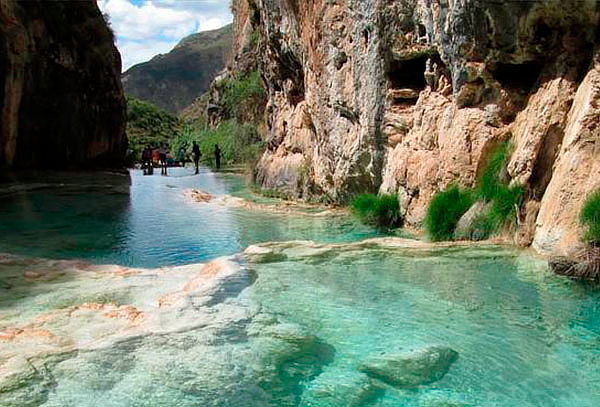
x=174 y=80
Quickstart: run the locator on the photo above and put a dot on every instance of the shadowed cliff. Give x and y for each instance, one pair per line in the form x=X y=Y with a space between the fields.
x=60 y=92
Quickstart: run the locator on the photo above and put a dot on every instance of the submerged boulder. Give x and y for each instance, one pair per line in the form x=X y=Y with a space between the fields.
x=263 y=255
x=200 y=196
x=287 y=357
x=333 y=389
x=412 y=368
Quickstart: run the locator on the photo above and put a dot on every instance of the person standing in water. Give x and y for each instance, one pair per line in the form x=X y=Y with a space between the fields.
x=217 y=156
x=197 y=155
x=146 y=160
x=181 y=156
x=162 y=154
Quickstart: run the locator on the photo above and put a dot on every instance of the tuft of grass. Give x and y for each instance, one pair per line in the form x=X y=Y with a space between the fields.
x=491 y=187
x=377 y=210
x=505 y=203
x=490 y=181
x=590 y=218
x=447 y=207
x=444 y=212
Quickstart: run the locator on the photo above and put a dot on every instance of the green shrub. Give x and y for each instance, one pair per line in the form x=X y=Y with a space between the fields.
x=444 y=212
x=147 y=124
x=381 y=211
x=590 y=218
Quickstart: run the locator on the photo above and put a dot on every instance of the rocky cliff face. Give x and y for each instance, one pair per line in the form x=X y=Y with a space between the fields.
x=60 y=94
x=409 y=96
x=244 y=57
x=172 y=81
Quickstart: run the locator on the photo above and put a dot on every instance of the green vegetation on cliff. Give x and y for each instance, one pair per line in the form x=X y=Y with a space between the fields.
x=500 y=203
x=444 y=212
x=237 y=106
x=239 y=141
x=242 y=94
x=590 y=218
x=381 y=211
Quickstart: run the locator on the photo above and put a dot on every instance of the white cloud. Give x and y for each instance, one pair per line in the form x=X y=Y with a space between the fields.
x=134 y=52
x=212 y=23
x=145 y=28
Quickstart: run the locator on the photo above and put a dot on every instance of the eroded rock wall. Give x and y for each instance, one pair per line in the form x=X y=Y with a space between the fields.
x=409 y=96
x=61 y=98
x=324 y=64
x=211 y=107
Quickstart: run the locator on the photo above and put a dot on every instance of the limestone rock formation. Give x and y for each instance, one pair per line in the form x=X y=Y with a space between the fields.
x=467 y=228
x=408 y=96
x=61 y=97
x=411 y=369
x=211 y=107
x=172 y=81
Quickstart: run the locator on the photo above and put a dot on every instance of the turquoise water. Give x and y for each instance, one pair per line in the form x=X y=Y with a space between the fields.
x=524 y=338
x=289 y=328
x=146 y=221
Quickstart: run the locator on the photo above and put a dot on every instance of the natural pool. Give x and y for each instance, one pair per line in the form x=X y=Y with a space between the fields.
x=287 y=324
x=146 y=221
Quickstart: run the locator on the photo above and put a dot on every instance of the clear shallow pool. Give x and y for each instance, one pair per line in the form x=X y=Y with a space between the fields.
x=287 y=327
x=148 y=222
x=524 y=338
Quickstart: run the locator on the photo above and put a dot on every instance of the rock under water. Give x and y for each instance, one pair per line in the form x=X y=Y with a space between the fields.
x=411 y=369
x=290 y=323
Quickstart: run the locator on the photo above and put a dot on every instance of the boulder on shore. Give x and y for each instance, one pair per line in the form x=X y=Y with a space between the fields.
x=470 y=227
x=582 y=267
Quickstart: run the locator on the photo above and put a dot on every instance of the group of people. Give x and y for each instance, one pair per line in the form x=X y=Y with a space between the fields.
x=158 y=155
x=162 y=157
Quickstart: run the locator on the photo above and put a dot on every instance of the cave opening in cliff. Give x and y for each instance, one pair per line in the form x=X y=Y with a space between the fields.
x=408 y=74
x=522 y=77
x=407 y=79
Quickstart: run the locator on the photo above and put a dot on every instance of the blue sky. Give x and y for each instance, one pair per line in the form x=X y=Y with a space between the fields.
x=145 y=28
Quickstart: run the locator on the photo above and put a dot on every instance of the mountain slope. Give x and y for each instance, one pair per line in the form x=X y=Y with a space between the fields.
x=172 y=81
